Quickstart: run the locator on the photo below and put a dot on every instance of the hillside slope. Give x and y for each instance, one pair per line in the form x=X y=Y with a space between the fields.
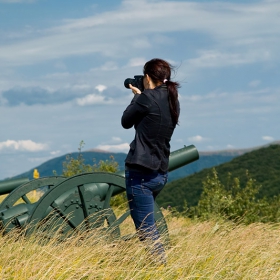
x=205 y=161
x=56 y=164
x=263 y=166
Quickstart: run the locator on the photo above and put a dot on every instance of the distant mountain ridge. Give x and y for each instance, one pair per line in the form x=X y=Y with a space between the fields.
x=263 y=165
x=207 y=159
x=238 y=152
x=47 y=168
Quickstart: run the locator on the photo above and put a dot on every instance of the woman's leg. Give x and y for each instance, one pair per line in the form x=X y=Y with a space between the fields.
x=141 y=189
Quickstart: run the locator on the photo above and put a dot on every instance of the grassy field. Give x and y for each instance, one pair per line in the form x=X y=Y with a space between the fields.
x=198 y=250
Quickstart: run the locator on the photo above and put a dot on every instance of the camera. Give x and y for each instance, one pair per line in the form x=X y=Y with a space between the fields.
x=136 y=82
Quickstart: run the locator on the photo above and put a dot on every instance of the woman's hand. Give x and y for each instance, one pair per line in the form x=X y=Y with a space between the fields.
x=135 y=90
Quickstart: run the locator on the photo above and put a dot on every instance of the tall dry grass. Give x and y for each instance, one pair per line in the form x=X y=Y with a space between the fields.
x=198 y=250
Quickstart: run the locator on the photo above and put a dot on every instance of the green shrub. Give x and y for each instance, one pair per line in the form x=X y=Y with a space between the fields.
x=232 y=202
x=72 y=167
x=76 y=166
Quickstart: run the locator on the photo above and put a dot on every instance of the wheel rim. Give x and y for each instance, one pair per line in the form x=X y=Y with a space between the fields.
x=82 y=202
x=21 y=191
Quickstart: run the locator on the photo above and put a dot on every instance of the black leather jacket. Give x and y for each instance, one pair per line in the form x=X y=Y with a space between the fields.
x=149 y=112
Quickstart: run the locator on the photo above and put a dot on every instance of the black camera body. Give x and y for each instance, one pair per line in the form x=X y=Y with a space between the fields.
x=136 y=82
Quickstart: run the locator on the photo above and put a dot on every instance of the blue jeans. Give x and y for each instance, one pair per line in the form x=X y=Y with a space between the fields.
x=142 y=188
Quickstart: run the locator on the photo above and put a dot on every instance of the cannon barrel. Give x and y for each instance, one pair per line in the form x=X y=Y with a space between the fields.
x=177 y=159
x=80 y=196
x=9 y=185
x=182 y=157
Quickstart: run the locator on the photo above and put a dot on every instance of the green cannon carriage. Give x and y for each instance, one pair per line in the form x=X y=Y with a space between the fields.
x=81 y=202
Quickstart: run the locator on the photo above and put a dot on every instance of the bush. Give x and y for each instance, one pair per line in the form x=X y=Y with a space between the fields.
x=232 y=202
x=73 y=167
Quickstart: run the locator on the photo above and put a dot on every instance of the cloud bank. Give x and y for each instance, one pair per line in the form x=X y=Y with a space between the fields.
x=23 y=145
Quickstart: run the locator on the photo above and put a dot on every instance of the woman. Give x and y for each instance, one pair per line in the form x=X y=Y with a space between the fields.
x=154 y=114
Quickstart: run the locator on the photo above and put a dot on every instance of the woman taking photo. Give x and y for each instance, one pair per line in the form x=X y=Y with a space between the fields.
x=154 y=113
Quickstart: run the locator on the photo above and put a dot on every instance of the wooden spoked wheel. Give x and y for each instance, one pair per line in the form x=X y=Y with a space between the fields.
x=20 y=194
x=82 y=203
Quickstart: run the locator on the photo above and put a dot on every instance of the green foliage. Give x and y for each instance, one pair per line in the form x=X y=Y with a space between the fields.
x=76 y=166
x=262 y=164
x=106 y=166
x=232 y=202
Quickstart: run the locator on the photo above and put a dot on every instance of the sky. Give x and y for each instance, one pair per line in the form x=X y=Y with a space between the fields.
x=63 y=64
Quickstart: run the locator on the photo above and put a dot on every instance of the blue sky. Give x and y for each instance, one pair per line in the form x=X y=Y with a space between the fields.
x=63 y=63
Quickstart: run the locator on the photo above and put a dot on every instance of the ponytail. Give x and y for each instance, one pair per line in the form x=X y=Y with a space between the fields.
x=172 y=88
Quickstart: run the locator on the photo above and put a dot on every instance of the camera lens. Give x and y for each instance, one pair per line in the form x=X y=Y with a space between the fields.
x=128 y=81
x=136 y=82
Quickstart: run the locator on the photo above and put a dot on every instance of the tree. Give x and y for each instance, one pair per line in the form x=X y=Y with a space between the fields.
x=72 y=167
x=76 y=166
x=233 y=202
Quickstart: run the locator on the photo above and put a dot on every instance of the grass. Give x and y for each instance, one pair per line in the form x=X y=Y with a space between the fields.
x=198 y=250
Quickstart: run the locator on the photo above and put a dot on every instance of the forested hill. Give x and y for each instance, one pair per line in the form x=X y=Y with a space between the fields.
x=47 y=168
x=263 y=165
x=206 y=160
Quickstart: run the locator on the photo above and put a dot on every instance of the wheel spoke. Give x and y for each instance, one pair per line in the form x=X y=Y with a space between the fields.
x=64 y=217
x=108 y=197
x=87 y=198
x=25 y=199
x=22 y=190
x=118 y=221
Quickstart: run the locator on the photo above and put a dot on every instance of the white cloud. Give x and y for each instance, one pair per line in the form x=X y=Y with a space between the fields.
x=124 y=148
x=216 y=58
x=92 y=99
x=100 y=88
x=197 y=139
x=114 y=33
x=268 y=138
x=198 y=35
x=54 y=153
x=23 y=145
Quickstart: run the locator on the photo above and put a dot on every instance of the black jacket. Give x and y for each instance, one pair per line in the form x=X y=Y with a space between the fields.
x=149 y=112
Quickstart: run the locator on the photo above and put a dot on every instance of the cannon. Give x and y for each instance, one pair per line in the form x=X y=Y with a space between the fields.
x=8 y=185
x=77 y=203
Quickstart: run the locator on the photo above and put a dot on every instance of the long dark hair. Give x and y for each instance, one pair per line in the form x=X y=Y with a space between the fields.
x=159 y=71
